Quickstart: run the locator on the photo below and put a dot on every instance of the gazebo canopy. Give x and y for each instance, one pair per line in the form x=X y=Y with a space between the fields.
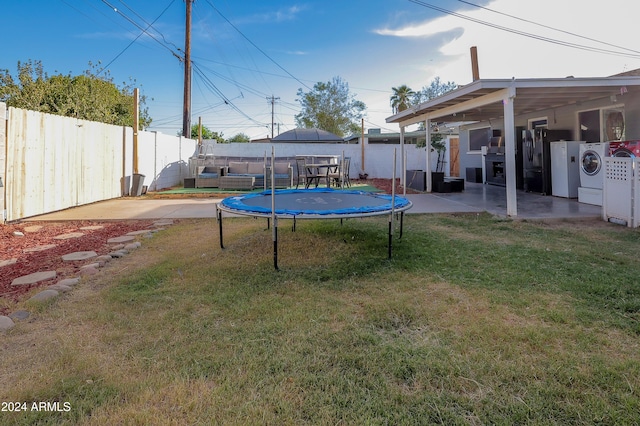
x=308 y=135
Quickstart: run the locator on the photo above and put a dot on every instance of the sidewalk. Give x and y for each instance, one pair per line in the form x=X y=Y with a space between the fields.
x=137 y=208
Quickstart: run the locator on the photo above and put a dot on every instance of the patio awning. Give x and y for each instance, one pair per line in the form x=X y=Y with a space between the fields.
x=482 y=100
x=486 y=100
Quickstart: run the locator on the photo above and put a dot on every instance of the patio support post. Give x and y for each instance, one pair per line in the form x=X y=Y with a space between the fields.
x=403 y=176
x=510 y=152
x=427 y=125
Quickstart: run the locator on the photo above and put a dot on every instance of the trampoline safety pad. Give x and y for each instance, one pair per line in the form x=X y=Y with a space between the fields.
x=315 y=203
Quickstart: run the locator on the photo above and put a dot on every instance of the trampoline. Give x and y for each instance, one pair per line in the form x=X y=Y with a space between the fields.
x=319 y=203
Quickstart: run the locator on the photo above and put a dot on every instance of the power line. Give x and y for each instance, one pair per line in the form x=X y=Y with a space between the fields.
x=150 y=25
x=136 y=39
x=254 y=45
x=217 y=91
x=547 y=26
x=523 y=33
x=119 y=12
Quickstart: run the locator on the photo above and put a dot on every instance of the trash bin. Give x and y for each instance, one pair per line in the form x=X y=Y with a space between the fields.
x=136 y=185
x=125 y=185
x=416 y=179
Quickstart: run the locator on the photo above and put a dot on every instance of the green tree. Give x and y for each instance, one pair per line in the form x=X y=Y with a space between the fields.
x=401 y=98
x=86 y=96
x=240 y=137
x=330 y=106
x=206 y=133
x=436 y=88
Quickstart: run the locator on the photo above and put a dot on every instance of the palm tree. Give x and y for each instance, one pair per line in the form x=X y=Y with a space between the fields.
x=401 y=98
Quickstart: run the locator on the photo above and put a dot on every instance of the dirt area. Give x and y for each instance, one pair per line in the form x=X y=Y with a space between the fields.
x=18 y=239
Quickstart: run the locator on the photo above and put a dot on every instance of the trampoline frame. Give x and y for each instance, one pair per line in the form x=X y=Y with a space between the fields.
x=396 y=205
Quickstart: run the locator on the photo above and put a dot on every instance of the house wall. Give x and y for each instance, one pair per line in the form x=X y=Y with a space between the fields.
x=54 y=162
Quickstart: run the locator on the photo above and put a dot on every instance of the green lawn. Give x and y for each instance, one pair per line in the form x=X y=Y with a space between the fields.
x=475 y=320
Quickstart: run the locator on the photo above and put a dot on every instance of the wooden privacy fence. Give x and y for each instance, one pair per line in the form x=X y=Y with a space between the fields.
x=52 y=162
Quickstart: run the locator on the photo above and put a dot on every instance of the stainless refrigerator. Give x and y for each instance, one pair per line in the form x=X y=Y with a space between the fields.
x=536 y=158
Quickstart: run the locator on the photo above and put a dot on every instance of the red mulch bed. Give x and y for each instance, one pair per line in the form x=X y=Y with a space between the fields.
x=12 y=247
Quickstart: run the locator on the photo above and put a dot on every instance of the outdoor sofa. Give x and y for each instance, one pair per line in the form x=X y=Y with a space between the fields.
x=208 y=176
x=238 y=173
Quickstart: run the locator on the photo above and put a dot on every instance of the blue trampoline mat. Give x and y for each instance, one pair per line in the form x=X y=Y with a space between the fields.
x=315 y=202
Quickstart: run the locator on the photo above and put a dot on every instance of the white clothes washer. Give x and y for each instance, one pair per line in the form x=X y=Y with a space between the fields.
x=591 y=172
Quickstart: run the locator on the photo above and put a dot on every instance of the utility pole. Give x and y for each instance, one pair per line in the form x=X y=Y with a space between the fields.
x=273 y=101
x=186 y=106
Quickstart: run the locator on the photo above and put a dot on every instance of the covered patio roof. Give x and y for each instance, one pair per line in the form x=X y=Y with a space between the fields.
x=486 y=100
x=482 y=100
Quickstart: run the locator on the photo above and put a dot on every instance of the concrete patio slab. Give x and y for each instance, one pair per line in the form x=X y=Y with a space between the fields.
x=475 y=198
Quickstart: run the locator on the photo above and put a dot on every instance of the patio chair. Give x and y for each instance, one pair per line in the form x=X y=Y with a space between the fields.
x=340 y=175
x=305 y=175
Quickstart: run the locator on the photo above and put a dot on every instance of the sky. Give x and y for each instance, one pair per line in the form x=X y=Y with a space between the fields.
x=245 y=53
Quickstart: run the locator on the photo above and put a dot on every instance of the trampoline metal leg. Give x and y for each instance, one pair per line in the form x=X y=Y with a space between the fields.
x=219 y=217
x=390 y=238
x=401 y=224
x=275 y=244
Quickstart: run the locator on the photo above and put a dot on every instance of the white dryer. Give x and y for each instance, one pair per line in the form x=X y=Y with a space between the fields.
x=591 y=172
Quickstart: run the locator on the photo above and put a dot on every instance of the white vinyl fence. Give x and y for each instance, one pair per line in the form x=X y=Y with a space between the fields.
x=621 y=193
x=378 y=158
x=50 y=163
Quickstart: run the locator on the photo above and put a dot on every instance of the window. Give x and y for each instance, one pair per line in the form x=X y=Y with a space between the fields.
x=589 y=125
x=479 y=138
x=597 y=127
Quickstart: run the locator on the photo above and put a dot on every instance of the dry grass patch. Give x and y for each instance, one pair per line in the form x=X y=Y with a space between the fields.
x=182 y=332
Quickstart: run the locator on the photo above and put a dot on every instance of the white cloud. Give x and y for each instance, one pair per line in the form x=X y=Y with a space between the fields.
x=505 y=54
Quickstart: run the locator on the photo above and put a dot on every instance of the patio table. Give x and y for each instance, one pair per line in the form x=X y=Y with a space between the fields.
x=318 y=173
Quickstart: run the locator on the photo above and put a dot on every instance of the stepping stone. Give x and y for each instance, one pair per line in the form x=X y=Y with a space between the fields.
x=7 y=262
x=32 y=228
x=6 y=323
x=118 y=240
x=43 y=296
x=163 y=223
x=133 y=246
x=144 y=231
x=104 y=258
x=36 y=277
x=87 y=271
x=39 y=248
x=68 y=236
x=91 y=228
x=91 y=265
x=59 y=287
x=69 y=282
x=79 y=255
x=19 y=315
x=119 y=253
